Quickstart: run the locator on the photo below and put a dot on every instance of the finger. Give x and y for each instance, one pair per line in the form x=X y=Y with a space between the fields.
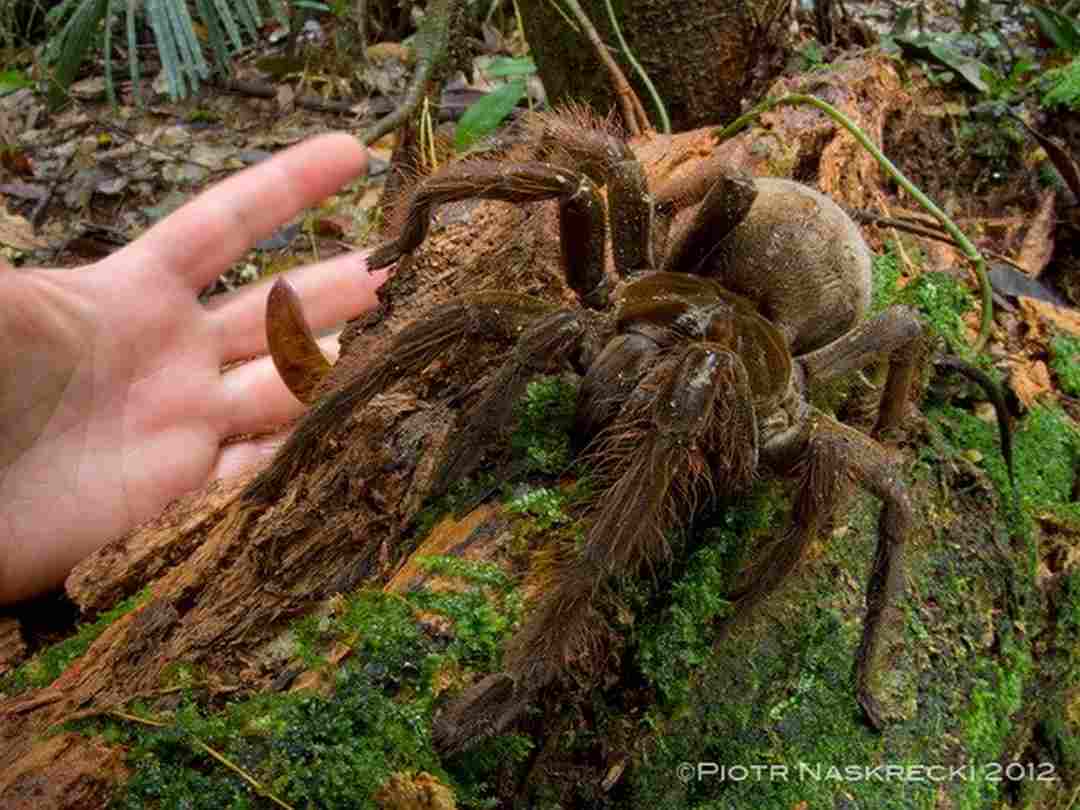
x=203 y=238
x=331 y=293
x=248 y=456
x=256 y=399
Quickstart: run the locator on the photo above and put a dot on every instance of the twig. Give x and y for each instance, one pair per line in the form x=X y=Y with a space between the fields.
x=232 y=766
x=661 y=110
x=632 y=113
x=907 y=225
x=432 y=44
x=908 y=264
x=43 y=205
x=307 y=102
x=360 y=27
x=962 y=242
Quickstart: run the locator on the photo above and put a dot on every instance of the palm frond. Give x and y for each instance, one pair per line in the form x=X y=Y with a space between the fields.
x=184 y=60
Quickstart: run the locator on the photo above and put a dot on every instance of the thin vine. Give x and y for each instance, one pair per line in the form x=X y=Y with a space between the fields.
x=661 y=110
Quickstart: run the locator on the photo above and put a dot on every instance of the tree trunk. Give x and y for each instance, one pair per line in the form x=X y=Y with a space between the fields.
x=703 y=56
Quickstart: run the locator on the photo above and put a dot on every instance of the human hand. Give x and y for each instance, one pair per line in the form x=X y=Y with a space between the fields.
x=112 y=398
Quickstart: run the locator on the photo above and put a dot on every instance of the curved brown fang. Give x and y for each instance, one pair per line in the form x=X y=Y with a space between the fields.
x=297 y=356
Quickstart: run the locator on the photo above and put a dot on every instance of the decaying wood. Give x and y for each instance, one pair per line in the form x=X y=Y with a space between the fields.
x=226 y=575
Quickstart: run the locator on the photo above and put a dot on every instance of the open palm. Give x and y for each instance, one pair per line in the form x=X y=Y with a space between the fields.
x=112 y=397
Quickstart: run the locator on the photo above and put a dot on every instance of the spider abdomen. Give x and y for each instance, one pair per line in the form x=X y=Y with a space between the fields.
x=802 y=259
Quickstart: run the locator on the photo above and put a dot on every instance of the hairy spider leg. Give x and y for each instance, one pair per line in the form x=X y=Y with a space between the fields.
x=835 y=454
x=651 y=465
x=542 y=347
x=725 y=205
x=575 y=138
x=484 y=316
x=581 y=215
x=898 y=332
x=724 y=196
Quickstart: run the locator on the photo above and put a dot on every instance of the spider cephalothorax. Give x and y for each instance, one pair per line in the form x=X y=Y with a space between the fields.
x=727 y=301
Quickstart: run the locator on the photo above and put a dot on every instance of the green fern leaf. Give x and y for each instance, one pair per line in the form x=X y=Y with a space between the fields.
x=1064 y=83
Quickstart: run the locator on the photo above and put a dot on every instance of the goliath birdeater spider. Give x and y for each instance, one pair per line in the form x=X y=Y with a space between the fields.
x=697 y=355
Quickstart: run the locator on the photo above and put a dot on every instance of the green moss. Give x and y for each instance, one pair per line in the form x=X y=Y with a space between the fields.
x=942 y=300
x=540 y=443
x=482 y=615
x=545 y=419
x=779 y=693
x=546 y=506
x=886 y=274
x=675 y=644
x=1065 y=361
x=336 y=751
x=48 y=665
x=1046 y=453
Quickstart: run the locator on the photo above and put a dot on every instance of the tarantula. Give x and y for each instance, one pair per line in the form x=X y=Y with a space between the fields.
x=731 y=299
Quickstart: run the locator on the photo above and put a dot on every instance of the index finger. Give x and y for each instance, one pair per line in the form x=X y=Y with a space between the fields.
x=200 y=240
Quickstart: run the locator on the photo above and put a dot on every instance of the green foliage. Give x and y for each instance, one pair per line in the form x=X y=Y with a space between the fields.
x=505 y=67
x=84 y=24
x=544 y=420
x=988 y=66
x=812 y=55
x=1063 y=86
x=944 y=58
x=1065 y=360
x=49 y=664
x=12 y=80
x=485 y=114
x=1059 y=28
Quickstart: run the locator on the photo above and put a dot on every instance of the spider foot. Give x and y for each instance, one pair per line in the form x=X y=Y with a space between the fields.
x=485 y=708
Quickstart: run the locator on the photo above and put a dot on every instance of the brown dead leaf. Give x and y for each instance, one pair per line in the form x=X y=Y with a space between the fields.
x=17 y=161
x=17 y=232
x=1038 y=245
x=1059 y=155
x=1065 y=318
x=331 y=227
x=383 y=51
x=1029 y=381
x=414 y=791
x=286 y=99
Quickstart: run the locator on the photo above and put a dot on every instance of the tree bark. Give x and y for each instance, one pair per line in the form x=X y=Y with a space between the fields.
x=704 y=56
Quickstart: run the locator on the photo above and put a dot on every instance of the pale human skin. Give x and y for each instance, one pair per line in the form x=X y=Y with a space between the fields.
x=112 y=398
